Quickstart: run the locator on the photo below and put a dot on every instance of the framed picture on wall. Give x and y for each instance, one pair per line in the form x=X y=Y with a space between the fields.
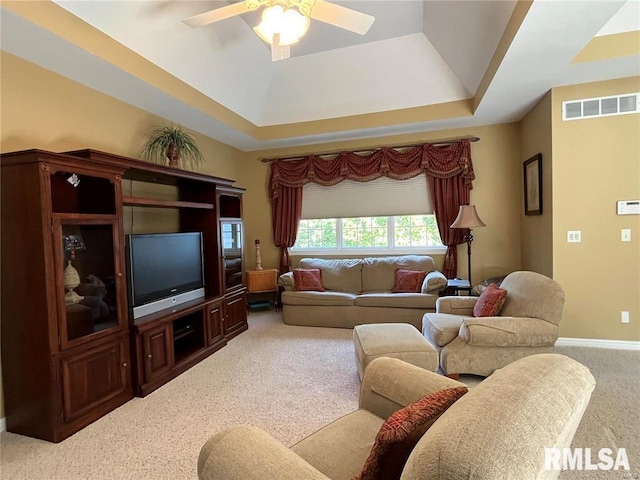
x=533 y=185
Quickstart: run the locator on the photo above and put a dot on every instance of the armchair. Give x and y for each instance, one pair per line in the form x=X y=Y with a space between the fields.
x=534 y=403
x=526 y=325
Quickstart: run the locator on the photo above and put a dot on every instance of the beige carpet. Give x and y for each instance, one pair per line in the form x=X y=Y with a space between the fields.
x=289 y=381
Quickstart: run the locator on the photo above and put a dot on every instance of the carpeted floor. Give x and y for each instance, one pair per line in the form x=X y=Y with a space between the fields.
x=289 y=381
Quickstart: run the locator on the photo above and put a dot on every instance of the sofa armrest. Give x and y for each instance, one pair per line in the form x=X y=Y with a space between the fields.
x=434 y=282
x=456 y=305
x=508 y=332
x=286 y=281
x=247 y=453
x=390 y=384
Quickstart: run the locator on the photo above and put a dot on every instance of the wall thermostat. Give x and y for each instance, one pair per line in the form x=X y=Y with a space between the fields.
x=628 y=207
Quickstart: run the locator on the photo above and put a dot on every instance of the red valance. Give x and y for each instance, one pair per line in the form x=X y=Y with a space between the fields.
x=435 y=161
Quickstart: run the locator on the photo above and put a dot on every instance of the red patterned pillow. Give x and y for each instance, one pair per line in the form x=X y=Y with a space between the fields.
x=490 y=301
x=409 y=281
x=401 y=432
x=309 y=279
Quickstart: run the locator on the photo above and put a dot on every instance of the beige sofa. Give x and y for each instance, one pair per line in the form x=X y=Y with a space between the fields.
x=526 y=325
x=358 y=291
x=498 y=430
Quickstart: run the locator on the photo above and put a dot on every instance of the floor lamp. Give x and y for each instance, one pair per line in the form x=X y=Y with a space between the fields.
x=468 y=218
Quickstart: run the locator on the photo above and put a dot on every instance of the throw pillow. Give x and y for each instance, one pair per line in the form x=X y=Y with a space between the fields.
x=490 y=302
x=409 y=281
x=308 y=279
x=401 y=432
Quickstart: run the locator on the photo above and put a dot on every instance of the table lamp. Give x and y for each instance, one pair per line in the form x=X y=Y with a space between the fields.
x=71 y=244
x=468 y=218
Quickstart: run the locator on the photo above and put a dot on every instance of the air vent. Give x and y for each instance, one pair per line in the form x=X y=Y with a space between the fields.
x=601 y=107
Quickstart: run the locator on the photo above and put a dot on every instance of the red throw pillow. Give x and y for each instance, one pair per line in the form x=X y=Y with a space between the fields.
x=309 y=279
x=401 y=432
x=490 y=301
x=409 y=281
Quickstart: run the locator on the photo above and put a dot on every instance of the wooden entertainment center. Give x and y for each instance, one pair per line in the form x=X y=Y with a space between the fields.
x=70 y=351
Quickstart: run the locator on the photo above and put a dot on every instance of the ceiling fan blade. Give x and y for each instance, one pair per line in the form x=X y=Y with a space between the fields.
x=279 y=52
x=218 y=14
x=342 y=17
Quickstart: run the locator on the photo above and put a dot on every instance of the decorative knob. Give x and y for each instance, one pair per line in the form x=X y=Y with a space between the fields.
x=149 y=356
x=124 y=364
x=119 y=274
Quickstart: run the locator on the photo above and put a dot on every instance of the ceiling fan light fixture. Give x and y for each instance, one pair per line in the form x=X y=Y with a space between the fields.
x=289 y=23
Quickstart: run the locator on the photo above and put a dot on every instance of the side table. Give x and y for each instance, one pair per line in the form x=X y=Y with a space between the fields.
x=261 y=282
x=455 y=286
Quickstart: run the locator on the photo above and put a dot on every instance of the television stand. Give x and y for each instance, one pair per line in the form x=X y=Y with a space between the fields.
x=170 y=341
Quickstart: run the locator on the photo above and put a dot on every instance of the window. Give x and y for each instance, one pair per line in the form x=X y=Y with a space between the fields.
x=397 y=234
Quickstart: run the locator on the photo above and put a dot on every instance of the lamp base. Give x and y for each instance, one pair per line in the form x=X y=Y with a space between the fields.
x=72 y=297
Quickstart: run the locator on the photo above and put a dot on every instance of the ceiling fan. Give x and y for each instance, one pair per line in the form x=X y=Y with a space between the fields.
x=284 y=22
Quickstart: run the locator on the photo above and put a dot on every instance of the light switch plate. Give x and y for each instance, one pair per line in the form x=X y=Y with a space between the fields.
x=574 y=236
x=625 y=235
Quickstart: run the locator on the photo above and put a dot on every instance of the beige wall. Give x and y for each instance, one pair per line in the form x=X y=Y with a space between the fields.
x=536 y=230
x=596 y=162
x=43 y=110
x=496 y=248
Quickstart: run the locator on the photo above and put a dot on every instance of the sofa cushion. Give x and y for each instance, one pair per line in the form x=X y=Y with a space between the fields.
x=338 y=275
x=490 y=302
x=309 y=279
x=340 y=449
x=442 y=328
x=400 y=433
x=408 y=281
x=318 y=298
x=397 y=300
x=378 y=273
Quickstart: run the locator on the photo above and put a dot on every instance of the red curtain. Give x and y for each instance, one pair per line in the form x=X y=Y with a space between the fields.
x=449 y=170
x=286 y=210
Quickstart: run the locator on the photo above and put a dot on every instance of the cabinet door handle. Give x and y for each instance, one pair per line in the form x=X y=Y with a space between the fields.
x=216 y=310
x=234 y=302
x=124 y=365
x=119 y=274
x=149 y=356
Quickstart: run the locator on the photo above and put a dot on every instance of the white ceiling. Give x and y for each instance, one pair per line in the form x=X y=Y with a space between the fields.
x=417 y=53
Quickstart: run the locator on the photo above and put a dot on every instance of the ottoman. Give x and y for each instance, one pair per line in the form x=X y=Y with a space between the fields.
x=396 y=340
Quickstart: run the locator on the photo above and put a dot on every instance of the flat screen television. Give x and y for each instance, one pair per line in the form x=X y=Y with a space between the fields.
x=163 y=269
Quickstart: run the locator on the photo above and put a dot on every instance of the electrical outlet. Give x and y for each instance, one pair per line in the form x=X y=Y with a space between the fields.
x=624 y=317
x=625 y=235
x=574 y=236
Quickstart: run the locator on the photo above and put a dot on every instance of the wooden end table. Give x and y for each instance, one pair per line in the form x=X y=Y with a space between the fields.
x=260 y=282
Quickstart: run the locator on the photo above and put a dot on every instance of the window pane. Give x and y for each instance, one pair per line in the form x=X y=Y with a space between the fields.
x=416 y=231
x=364 y=232
x=317 y=233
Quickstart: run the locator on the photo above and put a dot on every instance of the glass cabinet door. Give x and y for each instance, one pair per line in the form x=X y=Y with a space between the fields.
x=232 y=253
x=89 y=277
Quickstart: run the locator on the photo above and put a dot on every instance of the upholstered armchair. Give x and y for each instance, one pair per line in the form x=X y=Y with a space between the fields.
x=527 y=324
x=531 y=404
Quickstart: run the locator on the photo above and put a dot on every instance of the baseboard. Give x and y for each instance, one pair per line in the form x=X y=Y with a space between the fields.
x=598 y=343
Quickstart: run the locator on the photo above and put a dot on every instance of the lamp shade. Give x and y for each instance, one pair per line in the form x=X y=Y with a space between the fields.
x=467 y=218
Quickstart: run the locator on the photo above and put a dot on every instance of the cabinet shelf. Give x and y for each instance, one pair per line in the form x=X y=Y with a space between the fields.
x=154 y=202
x=183 y=332
x=85 y=217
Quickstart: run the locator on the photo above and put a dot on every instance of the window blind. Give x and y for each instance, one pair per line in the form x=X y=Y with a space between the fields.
x=381 y=197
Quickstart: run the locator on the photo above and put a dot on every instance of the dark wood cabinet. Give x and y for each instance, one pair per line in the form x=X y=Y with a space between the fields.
x=65 y=352
x=235 y=314
x=91 y=376
x=70 y=352
x=215 y=326
x=157 y=351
